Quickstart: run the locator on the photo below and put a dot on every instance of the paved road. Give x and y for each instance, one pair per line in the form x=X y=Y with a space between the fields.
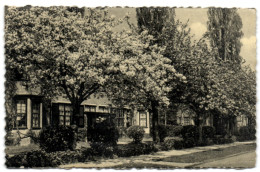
x=246 y=160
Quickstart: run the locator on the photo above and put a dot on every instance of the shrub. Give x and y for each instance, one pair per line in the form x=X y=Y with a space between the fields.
x=162 y=132
x=101 y=149
x=243 y=134
x=37 y=159
x=252 y=131
x=173 y=130
x=208 y=132
x=41 y=158
x=136 y=133
x=15 y=161
x=172 y=144
x=190 y=135
x=30 y=159
x=189 y=142
x=135 y=149
x=178 y=144
x=104 y=132
x=57 y=138
x=167 y=145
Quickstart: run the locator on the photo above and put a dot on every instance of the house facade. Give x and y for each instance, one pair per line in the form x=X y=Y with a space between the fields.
x=186 y=116
x=32 y=113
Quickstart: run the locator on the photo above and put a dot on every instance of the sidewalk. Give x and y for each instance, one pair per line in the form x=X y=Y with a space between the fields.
x=152 y=158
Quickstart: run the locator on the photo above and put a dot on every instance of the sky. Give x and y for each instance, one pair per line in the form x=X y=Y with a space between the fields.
x=197 y=21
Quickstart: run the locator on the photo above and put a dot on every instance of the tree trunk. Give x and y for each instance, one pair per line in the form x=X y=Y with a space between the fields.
x=155 y=122
x=75 y=112
x=201 y=123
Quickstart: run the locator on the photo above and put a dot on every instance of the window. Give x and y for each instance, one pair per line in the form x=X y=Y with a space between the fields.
x=143 y=118
x=36 y=115
x=103 y=109
x=89 y=108
x=120 y=117
x=65 y=114
x=186 y=121
x=21 y=114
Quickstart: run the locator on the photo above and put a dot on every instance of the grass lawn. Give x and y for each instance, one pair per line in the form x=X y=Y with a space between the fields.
x=212 y=154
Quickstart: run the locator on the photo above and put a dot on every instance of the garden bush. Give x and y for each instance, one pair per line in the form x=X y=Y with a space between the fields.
x=167 y=145
x=135 y=149
x=208 y=132
x=172 y=144
x=15 y=161
x=57 y=138
x=246 y=133
x=136 y=133
x=162 y=131
x=190 y=135
x=104 y=132
x=173 y=130
x=41 y=158
x=252 y=131
x=189 y=142
x=101 y=149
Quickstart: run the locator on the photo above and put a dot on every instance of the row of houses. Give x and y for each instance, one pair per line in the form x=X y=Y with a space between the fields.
x=33 y=114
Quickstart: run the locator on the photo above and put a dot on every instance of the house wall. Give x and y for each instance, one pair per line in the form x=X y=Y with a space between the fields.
x=24 y=131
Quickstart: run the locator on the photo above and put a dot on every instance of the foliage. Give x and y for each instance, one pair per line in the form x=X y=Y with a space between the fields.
x=173 y=130
x=172 y=144
x=154 y=20
x=102 y=149
x=218 y=139
x=136 y=133
x=208 y=132
x=162 y=131
x=104 y=133
x=225 y=32
x=144 y=80
x=245 y=134
x=41 y=158
x=57 y=138
x=190 y=133
x=14 y=161
x=135 y=149
x=72 y=53
x=252 y=131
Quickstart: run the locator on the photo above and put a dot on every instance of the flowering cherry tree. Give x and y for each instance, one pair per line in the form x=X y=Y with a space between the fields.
x=145 y=76
x=63 y=52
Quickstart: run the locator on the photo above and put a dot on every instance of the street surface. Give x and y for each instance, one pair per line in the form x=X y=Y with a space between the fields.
x=246 y=160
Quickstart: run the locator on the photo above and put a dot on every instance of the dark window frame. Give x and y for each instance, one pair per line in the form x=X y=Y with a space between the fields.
x=25 y=114
x=64 y=114
x=38 y=114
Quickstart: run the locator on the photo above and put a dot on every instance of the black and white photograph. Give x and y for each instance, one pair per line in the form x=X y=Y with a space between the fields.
x=129 y=87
